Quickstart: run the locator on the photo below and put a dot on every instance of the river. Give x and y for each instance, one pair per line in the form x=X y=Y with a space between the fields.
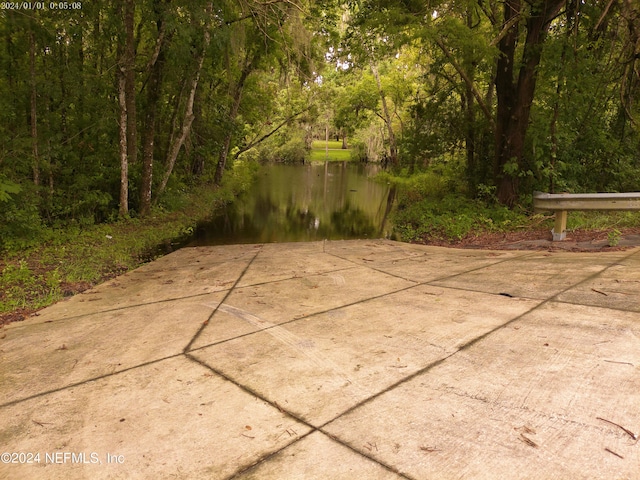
x=292 y=203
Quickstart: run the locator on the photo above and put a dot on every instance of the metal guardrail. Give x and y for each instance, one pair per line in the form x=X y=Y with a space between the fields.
x=561 y=203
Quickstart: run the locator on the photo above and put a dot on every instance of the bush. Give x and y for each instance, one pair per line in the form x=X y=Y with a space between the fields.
x=20 y=222
x=292 y=150
x=426 y=211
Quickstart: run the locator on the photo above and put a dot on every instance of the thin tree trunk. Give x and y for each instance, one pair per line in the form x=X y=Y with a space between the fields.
x=556 y=105
x=236 y=97
x=124 y=163
x=470 y=117
x=153 y=86
x=34 y=110
x=393 y=148
x=175 y=146
x=326 y=140
x=130 y=79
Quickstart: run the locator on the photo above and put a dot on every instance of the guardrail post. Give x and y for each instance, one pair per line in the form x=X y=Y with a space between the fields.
x=559 y=231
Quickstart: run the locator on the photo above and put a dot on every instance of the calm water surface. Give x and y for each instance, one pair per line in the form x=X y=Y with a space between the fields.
x=291 y=203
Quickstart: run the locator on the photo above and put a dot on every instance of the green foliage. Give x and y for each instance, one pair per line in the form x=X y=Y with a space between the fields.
x=291 y=150
x=23 y=287
x=238 y=179
x=451 y=218
x=603 y=220
x=20 y=222
x=429 y=209
x=72 y=258
x=7 y=188
x=614 y=237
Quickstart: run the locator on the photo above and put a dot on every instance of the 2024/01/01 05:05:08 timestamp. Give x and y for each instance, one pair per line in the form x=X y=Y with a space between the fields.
x=40 y=5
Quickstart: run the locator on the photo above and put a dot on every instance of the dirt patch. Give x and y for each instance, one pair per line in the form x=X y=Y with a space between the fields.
x=15 y=316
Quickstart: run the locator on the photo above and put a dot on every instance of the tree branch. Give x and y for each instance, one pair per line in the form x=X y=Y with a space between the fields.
x=467 y=80
x=257 y=141
x=505 y=29
x=604 y=14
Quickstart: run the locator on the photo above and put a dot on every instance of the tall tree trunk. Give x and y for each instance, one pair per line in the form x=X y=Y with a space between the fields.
x=124 y=162
x=393 y=146
x=130 y=80
x=34 y=109
x=236 y=97
x=570 y=19
x=153 y=96
x=515 y=100
x=470 y=117
x=176 y=144
x=630 y=82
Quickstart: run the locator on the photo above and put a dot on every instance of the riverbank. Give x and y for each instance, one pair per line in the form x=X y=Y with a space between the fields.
x=75 y=258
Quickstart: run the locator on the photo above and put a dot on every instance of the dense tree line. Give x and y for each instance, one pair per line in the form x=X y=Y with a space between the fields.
x=112 y=108
x=540 y=94
x=109 y=107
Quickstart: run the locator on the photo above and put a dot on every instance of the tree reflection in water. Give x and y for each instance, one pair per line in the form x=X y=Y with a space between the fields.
x=291 y=203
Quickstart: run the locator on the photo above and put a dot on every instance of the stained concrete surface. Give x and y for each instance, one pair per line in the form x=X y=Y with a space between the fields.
x=344 y=359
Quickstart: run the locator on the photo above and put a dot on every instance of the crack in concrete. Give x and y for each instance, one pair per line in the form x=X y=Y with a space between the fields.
x=204 y=325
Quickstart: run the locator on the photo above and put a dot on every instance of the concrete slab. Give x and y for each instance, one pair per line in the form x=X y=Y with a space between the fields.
x=346 y=355
x=415 y=263
x=317 y=456
x=68 y=351
x=347 y=359
x=285 y=300
x=170 y=419
x=539 y=275
x=528 y=400
x=617 y=287
x=293 y=260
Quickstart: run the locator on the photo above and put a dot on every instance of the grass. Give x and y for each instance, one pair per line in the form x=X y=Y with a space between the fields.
x=74 y=258
x=335 y=153
x=321 y=145
x=598 y=220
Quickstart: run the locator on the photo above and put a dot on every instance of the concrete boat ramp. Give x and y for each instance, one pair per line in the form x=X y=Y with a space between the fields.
x=332 y=360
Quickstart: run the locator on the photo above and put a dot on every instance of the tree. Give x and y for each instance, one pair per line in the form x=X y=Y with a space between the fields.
x=515 y=95
x=127 y=103
x=155 y=72
x=265 y=36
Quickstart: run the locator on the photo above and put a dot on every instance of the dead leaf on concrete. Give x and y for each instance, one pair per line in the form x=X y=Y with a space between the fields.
x=528 y=441
x=525 y=429
x=429 y=449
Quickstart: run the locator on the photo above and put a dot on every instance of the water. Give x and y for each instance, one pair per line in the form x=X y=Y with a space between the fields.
x=291 y=203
